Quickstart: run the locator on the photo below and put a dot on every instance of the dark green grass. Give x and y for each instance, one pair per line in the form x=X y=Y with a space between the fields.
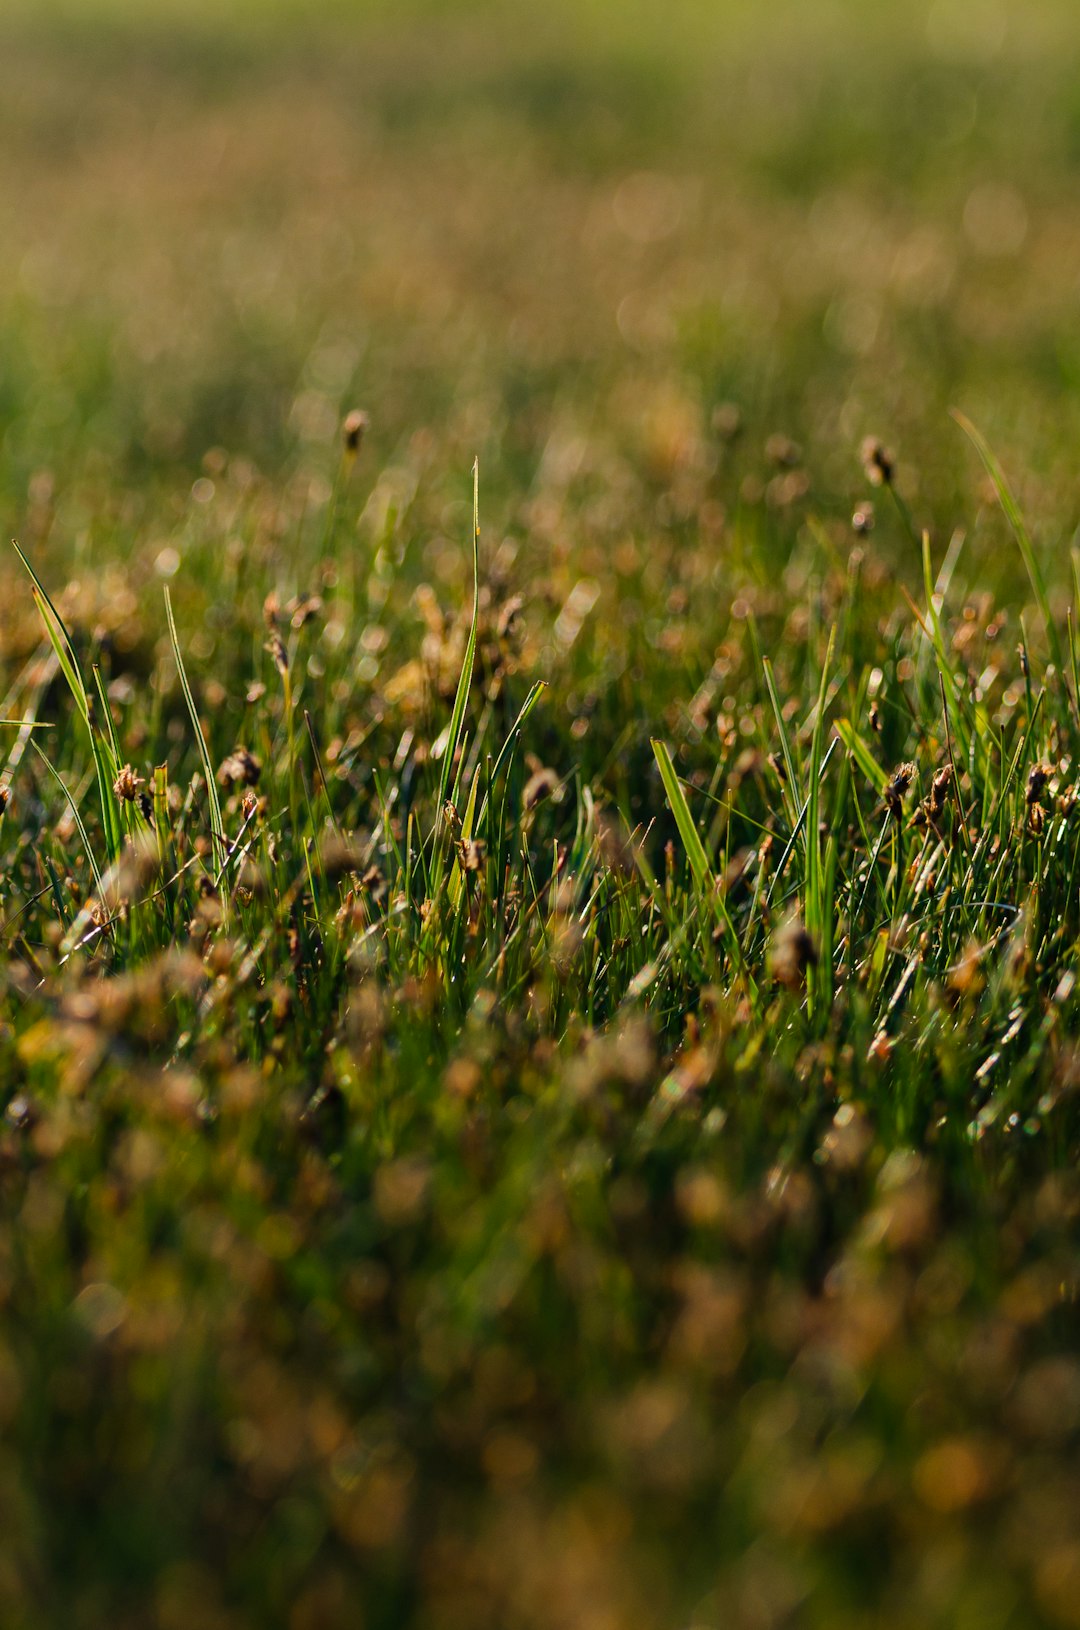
x=539 y=1065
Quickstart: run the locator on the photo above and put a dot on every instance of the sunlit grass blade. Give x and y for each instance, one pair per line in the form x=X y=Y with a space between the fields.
x=464 y=685
x=790 y=779
x=76 y=817
x=456 y=884
x=698 y=861
x=693 y=847
x=217 y=835
x=860 y=752
x=507 y=748
x=60 y=640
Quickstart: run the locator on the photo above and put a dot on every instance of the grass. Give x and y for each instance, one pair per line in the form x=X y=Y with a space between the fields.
x=539 y=1013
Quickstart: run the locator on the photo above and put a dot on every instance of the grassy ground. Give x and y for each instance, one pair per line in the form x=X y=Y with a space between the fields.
x=540 y=1089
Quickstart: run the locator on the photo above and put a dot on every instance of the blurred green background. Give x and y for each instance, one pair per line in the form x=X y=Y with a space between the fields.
x=565 y=232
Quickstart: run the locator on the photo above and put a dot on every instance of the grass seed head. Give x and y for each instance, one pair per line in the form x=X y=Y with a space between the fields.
x=539 y=786
x=877 y=462
x=727 y=421
x=792 y=953
x=893 y=796
x=939 y=793
x=240 y=769
x=280 y=656
x=127 y=785
x=1038 y=777
x=353 y=430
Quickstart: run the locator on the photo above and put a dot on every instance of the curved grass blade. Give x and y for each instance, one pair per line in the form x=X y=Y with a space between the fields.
x=76 y=817
x=507 y=748
x=64 y=651
x=217 y=835
x=465 y=678
x=699 y=862
x=59 y=638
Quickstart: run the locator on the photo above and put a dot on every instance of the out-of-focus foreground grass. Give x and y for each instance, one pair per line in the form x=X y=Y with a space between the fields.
x=472 y=1166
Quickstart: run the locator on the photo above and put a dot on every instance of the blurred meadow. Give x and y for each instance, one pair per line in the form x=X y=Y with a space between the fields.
x=546 y=1099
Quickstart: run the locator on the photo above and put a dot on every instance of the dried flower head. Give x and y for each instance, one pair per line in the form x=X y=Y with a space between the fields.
x=538 y=787
x=353 y=430
x=893 y=796
x=939 y=793
x=792 y=952
x=127 y=784
x=340 y=859
x=240 y=769
x=508 y=615
x=727 y=420
x=303 y=608
x=471 y=854
x=877 y=462
x=781 y=450
x=276 y=647
x=1038 y=777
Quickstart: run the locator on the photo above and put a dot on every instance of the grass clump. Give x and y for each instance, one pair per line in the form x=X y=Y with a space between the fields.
x=425 y=1130
x=538 y=1064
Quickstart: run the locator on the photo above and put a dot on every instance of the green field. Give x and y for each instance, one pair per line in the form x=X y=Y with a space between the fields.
x=540 y=1085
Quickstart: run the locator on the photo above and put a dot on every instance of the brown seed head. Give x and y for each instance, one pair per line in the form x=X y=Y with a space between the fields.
x=792 y=953
x=727 y=420
x=781 y=450
x=538 y=787
x=877 y=462
x=939 y=792
x=352 y=430
x=1038 y=776
x=276 y=647
x=240 y=769
x=471 y=852
x=893 y=796
x=127 y=784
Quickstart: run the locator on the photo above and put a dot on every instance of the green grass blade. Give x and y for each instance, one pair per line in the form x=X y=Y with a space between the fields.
x=507 y=748
x=684 y=821
x=59 y=638
x=76 y=817
x=791 y=781
x=217 y=836
x=699 y=862
x=860 y=752
x=465 y=678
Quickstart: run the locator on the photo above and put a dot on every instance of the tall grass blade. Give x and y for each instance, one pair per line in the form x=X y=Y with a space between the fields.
x=217 y=835
x=699 y=862
x=465 y=679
